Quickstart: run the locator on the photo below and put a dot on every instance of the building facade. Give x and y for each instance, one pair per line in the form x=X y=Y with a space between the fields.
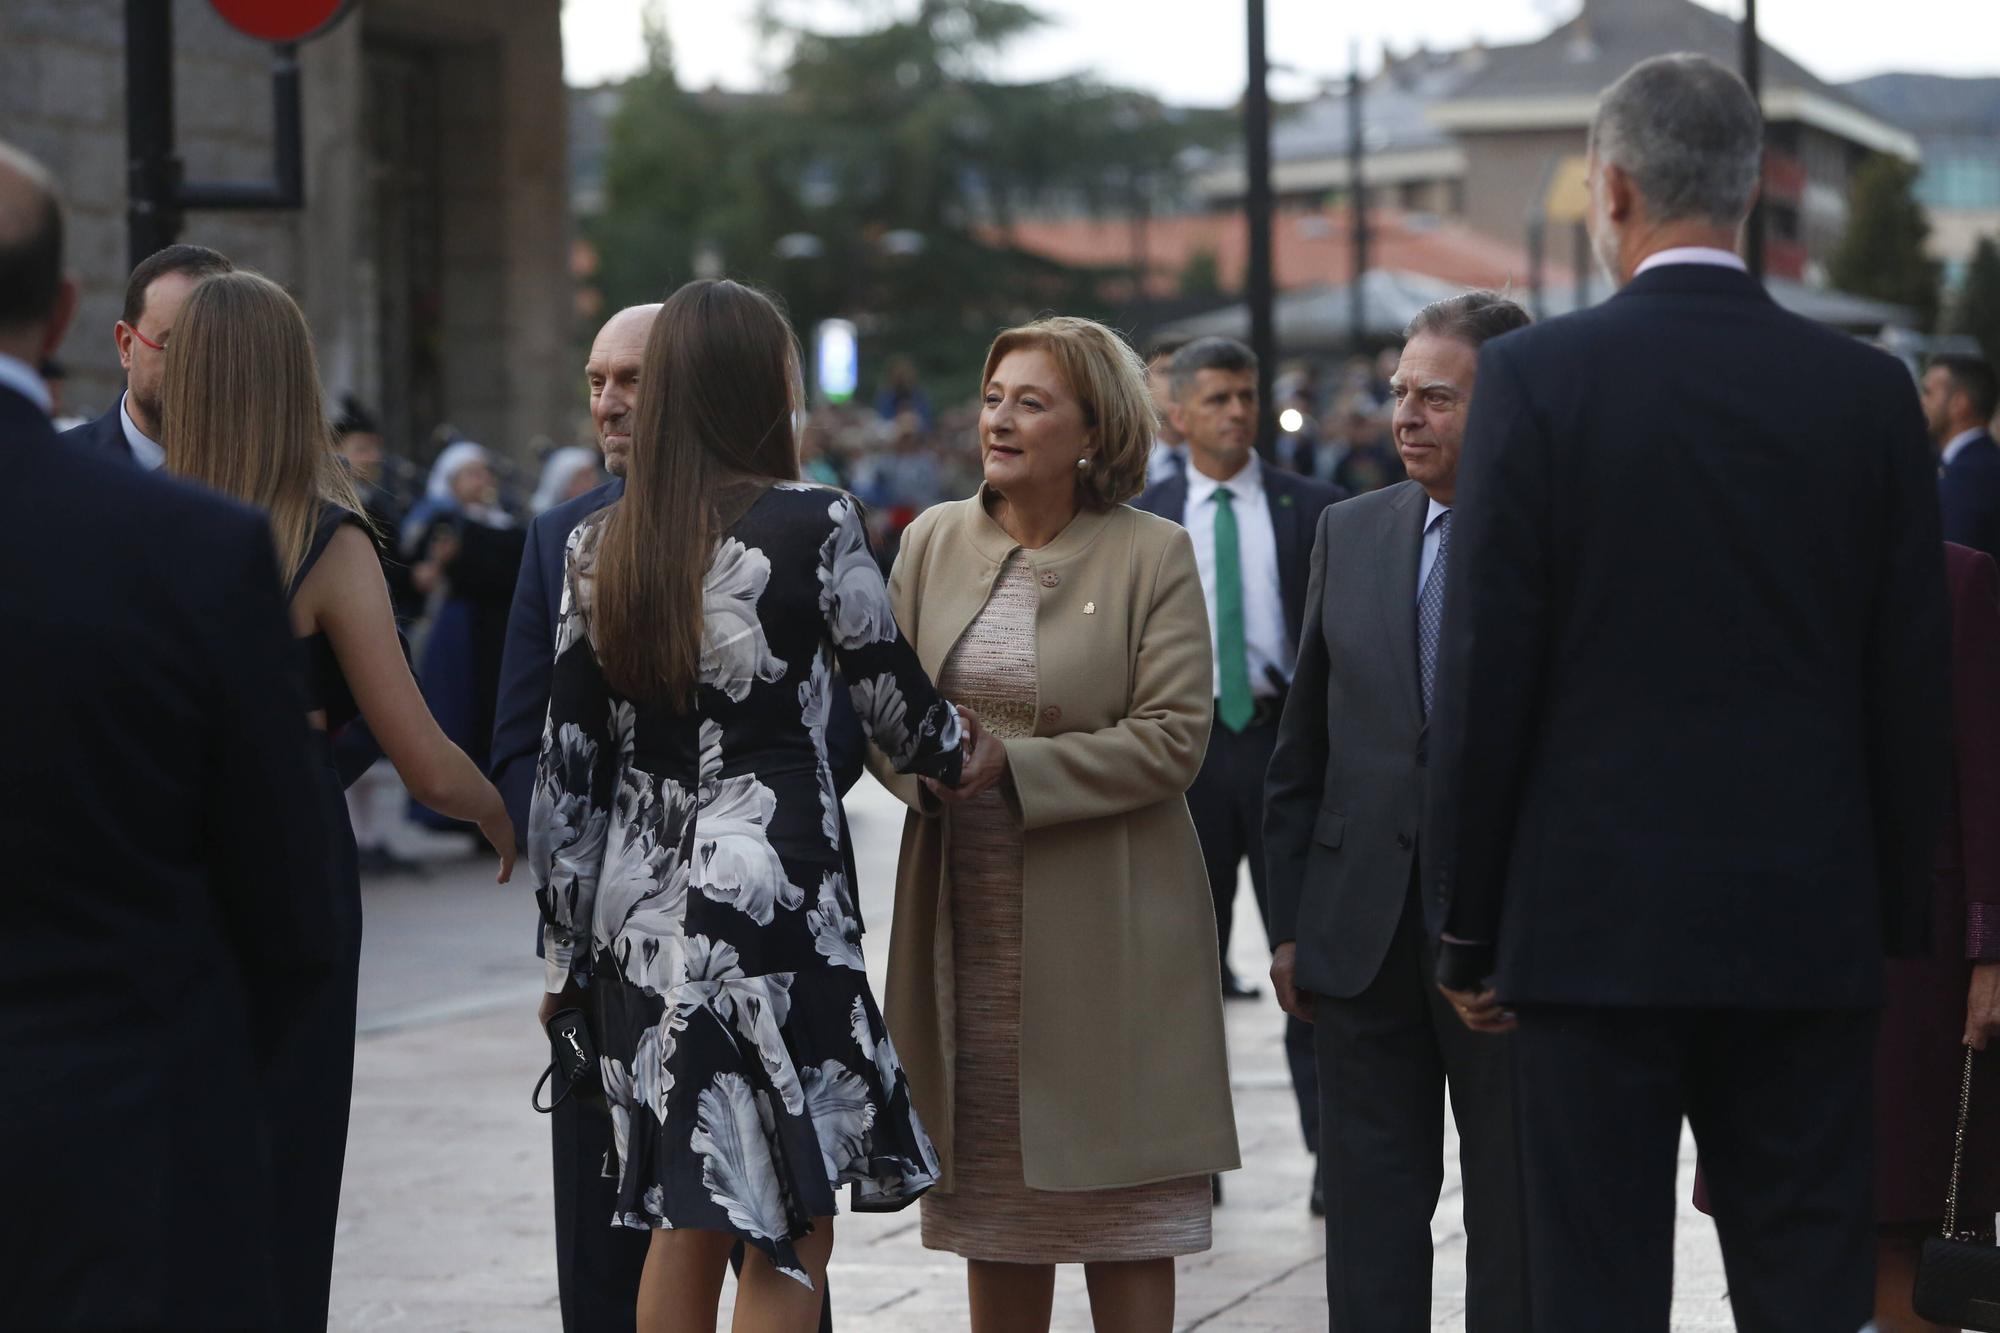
x=1496 y=137
x=431 y=256
x=1523 y=120
x=1957 y=122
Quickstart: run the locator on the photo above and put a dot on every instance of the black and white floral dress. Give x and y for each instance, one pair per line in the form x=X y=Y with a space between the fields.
x=689 y=868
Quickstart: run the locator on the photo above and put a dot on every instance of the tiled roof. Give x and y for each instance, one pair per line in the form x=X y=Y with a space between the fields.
x=1307 y=248
x=1932 y=103
x=1608 y=37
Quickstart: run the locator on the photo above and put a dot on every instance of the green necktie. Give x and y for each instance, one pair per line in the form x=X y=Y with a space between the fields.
x=1233 y=703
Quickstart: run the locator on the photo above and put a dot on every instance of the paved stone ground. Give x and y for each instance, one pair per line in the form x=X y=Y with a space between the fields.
x=445 y=1221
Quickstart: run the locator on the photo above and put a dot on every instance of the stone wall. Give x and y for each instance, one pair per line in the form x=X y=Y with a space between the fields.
x=505 y=284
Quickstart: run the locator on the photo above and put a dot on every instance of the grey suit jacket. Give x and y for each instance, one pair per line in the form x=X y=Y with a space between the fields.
x=1345 y=793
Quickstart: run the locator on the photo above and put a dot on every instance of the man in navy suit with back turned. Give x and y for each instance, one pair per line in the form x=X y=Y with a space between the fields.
x=154 y=293
x=1689 y=741
x=1253 y=528
x=163 y=860
x=1961 y=393
x=597 y=1264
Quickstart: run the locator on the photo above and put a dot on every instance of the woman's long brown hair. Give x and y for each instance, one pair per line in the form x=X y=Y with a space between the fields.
x=717 y=390
x=242 y=410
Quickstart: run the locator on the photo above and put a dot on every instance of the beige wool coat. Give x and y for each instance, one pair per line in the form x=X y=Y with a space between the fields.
x=1124 y=1071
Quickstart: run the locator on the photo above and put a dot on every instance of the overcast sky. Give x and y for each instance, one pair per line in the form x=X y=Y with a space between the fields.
x=1192 y=51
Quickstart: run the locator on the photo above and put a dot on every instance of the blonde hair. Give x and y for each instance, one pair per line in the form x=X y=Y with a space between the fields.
x=1109 y=382
x=241 y=409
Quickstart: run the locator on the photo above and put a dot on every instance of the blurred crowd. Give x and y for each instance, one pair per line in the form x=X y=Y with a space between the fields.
x=900 y=455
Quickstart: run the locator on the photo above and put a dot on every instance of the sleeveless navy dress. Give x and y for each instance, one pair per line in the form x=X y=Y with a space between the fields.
x=313 y=1081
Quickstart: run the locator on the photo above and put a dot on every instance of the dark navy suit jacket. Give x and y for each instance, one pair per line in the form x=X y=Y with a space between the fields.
x=1969 y=496
x=163 y=856
x=1295 y=503
x=1692 y=723
x=105 y=435
x=528 y=663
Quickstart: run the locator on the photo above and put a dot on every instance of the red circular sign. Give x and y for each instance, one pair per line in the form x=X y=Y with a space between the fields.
x=281 y=20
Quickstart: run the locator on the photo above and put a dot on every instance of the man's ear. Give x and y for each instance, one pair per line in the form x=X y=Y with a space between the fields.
x=1177 y=416
x=1621 y=195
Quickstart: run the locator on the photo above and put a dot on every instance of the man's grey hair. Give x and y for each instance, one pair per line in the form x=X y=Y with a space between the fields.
x=1212 y=353
x=1472 y=318
x=1688 y=133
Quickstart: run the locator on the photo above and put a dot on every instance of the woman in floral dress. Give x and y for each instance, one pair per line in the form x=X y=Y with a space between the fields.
x=686 y=836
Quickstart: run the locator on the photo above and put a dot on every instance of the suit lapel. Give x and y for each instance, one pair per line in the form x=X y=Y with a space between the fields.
x=1400 y=539
x=1284 y=507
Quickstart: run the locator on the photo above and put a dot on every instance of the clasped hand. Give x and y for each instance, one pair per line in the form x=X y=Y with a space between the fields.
x=985 y=763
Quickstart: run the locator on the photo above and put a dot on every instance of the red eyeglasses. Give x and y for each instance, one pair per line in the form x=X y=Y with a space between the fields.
x=158 y=347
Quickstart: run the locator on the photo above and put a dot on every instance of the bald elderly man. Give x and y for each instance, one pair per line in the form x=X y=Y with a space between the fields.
x=598 y=1264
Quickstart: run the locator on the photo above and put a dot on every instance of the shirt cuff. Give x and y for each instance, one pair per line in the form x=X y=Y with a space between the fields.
x=556 y=948
x=1463 y=965
x=1982 y=932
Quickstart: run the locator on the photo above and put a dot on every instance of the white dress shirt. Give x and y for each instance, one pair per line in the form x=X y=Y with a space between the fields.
x=1956 y=443
x=147 y=451
x=1692 y=254
x=22 y=378
x=1165 y=462
x=1264 y=639
x=1431 y=539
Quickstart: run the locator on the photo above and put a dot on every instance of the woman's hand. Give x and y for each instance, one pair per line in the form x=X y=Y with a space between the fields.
x=497 y=829
x=985 y=763
x=1982 y=1006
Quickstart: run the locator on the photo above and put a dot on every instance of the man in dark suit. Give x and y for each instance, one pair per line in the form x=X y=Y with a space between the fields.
x=597 y=1264
x=1690 y=733
x=1345 y=840
x=1961 y=394
x=154 y=294
x=162 y=856
x=1252 y=528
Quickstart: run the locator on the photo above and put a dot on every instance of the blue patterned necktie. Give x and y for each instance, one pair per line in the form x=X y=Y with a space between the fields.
x=1430 y=613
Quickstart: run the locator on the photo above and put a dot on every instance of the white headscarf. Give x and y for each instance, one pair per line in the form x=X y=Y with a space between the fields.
x=454 y=459
x=439 y=502
x=560 y=473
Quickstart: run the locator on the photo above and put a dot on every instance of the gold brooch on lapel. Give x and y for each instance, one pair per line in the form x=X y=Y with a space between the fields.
x=1090 y=608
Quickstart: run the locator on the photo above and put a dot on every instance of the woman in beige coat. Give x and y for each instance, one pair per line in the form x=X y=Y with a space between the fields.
x=1052 y=981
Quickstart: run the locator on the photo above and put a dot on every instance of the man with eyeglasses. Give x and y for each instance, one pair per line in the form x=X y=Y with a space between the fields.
x=153 y=299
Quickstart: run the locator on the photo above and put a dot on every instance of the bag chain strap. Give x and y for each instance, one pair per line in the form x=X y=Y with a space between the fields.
x=1951 y=1231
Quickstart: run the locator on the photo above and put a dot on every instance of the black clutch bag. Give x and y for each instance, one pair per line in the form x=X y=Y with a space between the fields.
x=571 y=1054
x=1958 y=1275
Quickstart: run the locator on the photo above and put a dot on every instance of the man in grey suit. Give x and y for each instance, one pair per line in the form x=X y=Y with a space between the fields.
x=1343 y=841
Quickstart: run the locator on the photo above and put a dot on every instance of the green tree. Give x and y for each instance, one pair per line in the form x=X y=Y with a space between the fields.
x=1201 y=275
x=665 y=151
x=1977 y=310
x=880 y=179
x=1882 y=254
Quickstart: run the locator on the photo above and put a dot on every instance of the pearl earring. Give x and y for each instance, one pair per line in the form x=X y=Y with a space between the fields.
x=1083 y=464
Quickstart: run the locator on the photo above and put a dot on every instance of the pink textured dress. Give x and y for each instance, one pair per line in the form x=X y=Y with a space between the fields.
x=991 y=1213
